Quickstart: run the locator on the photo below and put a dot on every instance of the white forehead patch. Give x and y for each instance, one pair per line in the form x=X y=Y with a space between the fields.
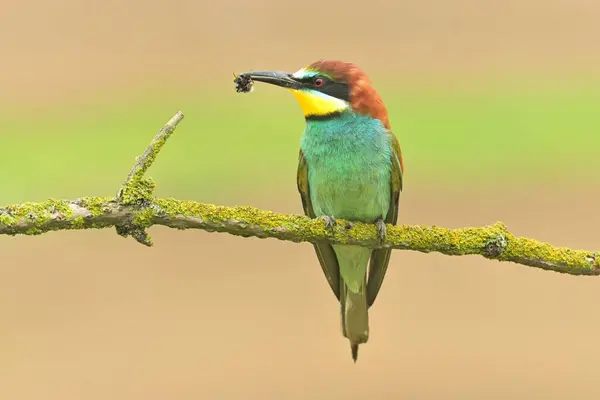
x=303 y=73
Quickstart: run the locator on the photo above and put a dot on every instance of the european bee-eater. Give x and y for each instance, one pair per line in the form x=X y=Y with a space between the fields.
x=350 y=167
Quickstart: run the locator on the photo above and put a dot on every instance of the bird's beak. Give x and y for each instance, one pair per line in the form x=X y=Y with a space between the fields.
x=283 y=79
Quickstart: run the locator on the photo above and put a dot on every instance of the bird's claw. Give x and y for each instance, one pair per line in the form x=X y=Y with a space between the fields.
x=329 y=223
x=381 y=230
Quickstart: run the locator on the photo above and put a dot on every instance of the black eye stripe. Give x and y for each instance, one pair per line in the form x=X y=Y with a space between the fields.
x=332 y=88
x=311 y=79
x=336 y=89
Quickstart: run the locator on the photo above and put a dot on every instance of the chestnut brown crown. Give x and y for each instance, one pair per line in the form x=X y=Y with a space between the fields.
x=364 y=99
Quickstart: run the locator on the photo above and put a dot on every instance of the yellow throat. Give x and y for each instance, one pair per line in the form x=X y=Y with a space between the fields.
x=317 y=103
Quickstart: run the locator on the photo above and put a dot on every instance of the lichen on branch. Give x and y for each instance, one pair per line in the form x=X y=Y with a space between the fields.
x=492 y=242
x=137 y=191
x=137 y=188
x=135 y=209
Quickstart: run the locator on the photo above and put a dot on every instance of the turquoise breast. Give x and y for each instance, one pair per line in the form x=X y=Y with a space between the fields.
x=349 y=168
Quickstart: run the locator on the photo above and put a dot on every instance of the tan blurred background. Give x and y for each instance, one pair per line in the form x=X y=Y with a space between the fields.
x=89 y=315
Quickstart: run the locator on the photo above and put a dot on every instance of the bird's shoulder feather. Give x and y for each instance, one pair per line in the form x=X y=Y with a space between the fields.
x=325 y=252
x=380 y=258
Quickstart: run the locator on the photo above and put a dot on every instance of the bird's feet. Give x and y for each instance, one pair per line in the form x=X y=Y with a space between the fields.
x=381 y=229
x=329 y=223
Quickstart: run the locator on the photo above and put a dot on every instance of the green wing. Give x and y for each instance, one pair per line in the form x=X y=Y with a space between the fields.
x=381 y=258
x=325 y=253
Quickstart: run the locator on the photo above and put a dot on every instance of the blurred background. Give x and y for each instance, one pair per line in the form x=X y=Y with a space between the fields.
x=496 y=105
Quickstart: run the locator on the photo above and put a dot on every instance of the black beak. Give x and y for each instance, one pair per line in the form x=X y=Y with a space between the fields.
x=283 y=79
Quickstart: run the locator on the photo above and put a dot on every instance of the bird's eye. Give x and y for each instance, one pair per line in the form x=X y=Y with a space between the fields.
x=318 y=82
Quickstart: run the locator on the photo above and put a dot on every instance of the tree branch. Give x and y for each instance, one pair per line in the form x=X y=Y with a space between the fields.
x=134 y=209
x=137 y=190
x=144 y=161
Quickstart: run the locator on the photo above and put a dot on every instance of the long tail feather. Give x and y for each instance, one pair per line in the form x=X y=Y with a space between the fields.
x=355 y=316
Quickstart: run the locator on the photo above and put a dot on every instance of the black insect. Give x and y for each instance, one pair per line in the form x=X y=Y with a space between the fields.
x=243 y=83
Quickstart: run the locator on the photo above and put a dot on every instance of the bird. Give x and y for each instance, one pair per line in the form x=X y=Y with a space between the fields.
x=350 y=167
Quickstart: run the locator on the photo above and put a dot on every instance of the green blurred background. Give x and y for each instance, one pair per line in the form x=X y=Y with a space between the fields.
x=496 y=105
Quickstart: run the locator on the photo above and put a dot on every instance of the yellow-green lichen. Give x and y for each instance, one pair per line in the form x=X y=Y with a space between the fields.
x=95 y=205
x=37 y=213
x=362 y=232
x=492 y=242
x=143 y=218
x=137 y=191
x=35 y=218
x=6 y=219
x=244 y=214
x=544 y=255
x=78 y=223
x=154 y=149
x=418 y=238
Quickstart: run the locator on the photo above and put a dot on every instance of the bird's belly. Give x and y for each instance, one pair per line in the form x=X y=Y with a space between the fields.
x=361 y=194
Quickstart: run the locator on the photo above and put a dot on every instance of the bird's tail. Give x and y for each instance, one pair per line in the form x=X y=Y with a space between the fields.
x=355 y=315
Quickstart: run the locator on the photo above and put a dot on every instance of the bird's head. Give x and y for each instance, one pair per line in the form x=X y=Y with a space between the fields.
x=327 y=88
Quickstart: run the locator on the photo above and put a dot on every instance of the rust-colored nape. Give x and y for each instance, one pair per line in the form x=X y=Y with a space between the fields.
x=364 y=98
